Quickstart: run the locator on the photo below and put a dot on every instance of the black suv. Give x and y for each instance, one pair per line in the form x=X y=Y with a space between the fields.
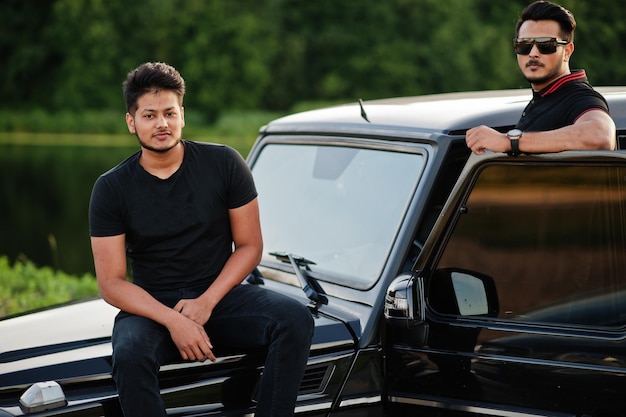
x=442 y=284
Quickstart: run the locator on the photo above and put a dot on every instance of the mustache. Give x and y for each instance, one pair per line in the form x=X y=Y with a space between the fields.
x=534 y=62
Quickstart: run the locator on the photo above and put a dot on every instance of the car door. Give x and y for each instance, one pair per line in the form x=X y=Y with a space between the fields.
x=524 y=282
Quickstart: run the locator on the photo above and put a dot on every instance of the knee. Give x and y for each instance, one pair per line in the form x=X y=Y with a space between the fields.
x=128 y=356
x=132 y=365
x=124 y=352
x=299 y=323
x=132 y=346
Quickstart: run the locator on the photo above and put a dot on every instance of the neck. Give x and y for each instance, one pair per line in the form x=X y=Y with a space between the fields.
x=162 y=164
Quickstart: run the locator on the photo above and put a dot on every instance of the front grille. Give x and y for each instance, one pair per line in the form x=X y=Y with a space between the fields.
x=315 y=379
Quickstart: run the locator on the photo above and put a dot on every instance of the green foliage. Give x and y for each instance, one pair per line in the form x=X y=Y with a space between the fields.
x=69 y=55
x=24 y=287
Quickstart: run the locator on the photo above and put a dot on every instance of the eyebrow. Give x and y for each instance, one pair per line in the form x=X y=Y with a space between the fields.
x=147 y=110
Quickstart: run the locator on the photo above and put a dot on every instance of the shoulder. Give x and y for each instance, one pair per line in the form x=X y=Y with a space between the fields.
x=222 y=154
x=579 y=86
x=123 y=168
x=583 y=87
x=117 y=177
x=576 y=96
x=585 y=96
x=208 y=147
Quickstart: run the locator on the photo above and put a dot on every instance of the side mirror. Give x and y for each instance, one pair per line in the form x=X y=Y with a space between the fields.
x=404 y=302
x=462 y=292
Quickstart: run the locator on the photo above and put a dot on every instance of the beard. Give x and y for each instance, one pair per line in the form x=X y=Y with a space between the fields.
x=144 y=145
x=553 y=74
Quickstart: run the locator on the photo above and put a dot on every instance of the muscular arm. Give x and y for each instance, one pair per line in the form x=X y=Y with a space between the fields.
x=593 y=130
x=110 y=264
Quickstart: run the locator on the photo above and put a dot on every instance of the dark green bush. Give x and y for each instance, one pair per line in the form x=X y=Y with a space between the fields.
x=24 y=286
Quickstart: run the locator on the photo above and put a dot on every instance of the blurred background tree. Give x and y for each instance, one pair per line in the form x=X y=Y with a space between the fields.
x=72 y=55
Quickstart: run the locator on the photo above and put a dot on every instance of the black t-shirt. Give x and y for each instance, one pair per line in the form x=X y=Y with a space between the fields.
x=561 y=104
x=177 y=230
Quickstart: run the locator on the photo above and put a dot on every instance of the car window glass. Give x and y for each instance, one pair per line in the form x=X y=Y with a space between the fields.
x=552 y=238
x=337 y=206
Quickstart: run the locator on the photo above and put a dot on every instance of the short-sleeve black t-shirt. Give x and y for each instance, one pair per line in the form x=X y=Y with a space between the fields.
x=177 y=230
x=561 y=104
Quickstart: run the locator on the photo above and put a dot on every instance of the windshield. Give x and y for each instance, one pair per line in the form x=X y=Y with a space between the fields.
x=339 y=207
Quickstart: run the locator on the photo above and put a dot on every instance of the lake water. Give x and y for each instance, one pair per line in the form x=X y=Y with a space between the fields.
x=45 y=197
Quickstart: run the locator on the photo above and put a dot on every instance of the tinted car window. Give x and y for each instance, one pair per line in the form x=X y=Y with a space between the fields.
x=337 y=206
x=552 y=239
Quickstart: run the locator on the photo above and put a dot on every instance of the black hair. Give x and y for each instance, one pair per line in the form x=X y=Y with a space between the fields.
x=151 y=77
x=545 y=10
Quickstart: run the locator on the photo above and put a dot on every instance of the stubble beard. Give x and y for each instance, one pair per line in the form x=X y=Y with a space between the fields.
x=552 y=75
x=144 y=145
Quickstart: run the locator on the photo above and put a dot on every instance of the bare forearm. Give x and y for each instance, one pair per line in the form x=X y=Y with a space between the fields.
x=593 y=130
x=109 y=256
x=569 y=137
x=243 y=260
x=133 y=299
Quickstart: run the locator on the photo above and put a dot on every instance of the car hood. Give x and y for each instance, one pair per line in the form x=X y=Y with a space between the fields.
x=72 y=343
x=76 y=322
x=36 y=346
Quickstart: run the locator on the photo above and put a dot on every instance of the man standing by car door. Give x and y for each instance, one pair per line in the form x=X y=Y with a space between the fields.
x=186 y=215
x=565 y=111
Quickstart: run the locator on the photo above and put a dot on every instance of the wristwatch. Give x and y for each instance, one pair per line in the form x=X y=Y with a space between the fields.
x=514 y=135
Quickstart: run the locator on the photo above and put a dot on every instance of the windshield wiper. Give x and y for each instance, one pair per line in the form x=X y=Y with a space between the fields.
x=310 y=286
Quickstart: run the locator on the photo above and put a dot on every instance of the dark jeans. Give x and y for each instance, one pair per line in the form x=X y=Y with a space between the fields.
x=249 y=317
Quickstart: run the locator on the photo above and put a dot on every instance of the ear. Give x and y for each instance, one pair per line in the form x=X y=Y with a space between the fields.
x=569 y=50
x=182 y=116
x=130 y=122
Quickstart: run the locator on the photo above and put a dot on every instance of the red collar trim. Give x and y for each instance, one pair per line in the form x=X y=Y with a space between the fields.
x=577 y=75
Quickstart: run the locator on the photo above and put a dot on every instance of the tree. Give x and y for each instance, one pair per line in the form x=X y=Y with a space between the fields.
x=247 y=54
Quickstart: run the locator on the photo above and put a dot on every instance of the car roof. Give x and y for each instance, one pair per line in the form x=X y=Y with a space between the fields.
x=448 y=113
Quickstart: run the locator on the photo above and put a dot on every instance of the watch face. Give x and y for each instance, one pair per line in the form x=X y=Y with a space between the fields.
x=514 y=133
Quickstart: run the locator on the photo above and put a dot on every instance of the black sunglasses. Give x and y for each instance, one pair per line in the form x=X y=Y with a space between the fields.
x=523 y=46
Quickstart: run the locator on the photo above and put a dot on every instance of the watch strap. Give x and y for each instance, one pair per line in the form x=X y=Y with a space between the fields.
x=514 y=147
x=514 y=136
